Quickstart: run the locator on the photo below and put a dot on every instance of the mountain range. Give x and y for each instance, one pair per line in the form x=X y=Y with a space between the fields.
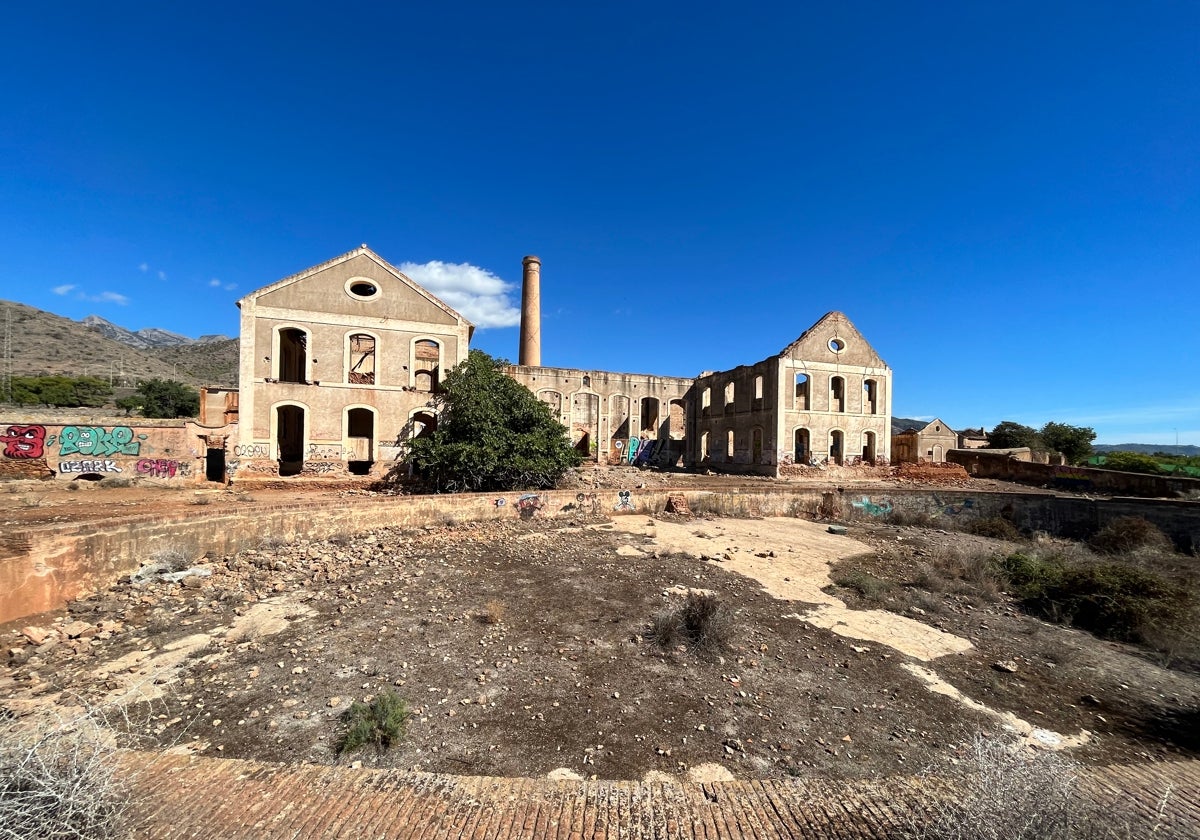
x=41 y=343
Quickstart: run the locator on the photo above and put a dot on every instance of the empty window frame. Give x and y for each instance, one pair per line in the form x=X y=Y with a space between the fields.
x=837 y=394
x=758 y=387
x=729 y=395
x=360 y=366
x=729 y=445
x=870 y=396
x=426 y=366
x=801 y=392
x=291 y=355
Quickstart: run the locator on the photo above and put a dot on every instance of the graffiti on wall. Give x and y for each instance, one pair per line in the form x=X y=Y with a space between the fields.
x=952 y=509
x=320 y=452
x=25 y=441
x=625 y=502
x=872 y=508
x=318 y=468
x=635 y=444
x=529 y=504
x=251 y=450
x=92 y=466
x=96 y=440
x=163 y=468
x=587 y=501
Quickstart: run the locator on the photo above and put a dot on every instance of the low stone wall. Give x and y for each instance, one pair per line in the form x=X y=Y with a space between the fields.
x=983 y=464
x=44 y=567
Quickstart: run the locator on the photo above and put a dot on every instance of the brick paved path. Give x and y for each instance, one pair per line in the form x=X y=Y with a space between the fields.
x=190 y=797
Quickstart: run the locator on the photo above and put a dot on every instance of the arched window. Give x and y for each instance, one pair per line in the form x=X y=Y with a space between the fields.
x=870 y=396
x=426 y=366
x=801 y=403
x=291 y=355
x=837 y=394
x=360 y=366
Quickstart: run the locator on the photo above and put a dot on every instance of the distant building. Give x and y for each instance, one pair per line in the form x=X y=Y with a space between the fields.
x=972 y=438
x=926 y=445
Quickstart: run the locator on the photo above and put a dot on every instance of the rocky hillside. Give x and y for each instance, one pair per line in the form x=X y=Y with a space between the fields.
x=47 y=344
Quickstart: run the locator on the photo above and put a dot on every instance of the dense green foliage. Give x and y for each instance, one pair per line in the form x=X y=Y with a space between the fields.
x=492 y=434
x=1116 y=600
x=60 y=391
x=380 y=723
x=1074 y=442
x=1160 y=463
x=163 y=398
x=1010 y=435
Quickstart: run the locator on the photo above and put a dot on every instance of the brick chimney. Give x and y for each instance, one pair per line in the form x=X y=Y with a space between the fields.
x=531 y=313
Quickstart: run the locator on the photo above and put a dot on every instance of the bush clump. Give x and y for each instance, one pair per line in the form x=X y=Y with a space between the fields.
x=59 y=778
x=381 y=723
x=701 y=624
x=1004 y=791
x=1114 y=600
x=1128 y=533
x=995 y=527
x=868 y=586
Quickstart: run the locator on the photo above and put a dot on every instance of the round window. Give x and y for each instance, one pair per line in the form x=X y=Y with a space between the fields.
x=361 y=288
x=837 y=345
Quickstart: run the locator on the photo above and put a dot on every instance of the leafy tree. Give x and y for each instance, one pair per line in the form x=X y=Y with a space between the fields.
x=492 y=434
x=166 y=398
x=1136 y=462
x=60 y=391
x=1074 y=442
x=1010 y=435
x=129 y=404
x=91 y=391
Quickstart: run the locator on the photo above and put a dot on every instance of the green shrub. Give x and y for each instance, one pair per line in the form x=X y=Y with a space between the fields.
x=1128 y=533
x=381 y=722
x=1115 y=600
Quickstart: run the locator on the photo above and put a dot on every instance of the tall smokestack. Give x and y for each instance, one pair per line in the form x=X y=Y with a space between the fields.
x=531 y=313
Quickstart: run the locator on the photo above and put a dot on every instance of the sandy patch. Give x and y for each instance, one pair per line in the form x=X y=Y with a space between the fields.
x=791 y=558
x=1033 y=736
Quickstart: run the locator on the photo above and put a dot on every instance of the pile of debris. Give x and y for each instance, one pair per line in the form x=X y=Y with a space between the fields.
x=952 y=474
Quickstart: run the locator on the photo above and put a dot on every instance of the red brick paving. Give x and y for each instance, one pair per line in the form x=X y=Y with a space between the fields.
x=226 y=799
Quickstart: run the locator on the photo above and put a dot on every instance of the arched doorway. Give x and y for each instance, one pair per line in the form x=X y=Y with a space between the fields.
x=802 y=454
x=360 y=434
x=868 y=452
x=289 y=438
x=836 y=445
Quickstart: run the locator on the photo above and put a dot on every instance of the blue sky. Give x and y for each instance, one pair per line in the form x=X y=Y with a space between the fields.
x=1003 y=197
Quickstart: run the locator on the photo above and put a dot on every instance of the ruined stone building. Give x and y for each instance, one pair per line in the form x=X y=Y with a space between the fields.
x=926 y=445
x=339 y=365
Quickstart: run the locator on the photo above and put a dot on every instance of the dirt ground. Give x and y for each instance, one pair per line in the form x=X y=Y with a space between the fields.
x=522 y=649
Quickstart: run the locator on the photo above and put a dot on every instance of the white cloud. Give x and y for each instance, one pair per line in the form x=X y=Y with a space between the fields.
x=162 y=275
x=64 y=289
x=215 y=283
x=144 y=267
x=479 y=295
x=105 y=297
x=229 y=287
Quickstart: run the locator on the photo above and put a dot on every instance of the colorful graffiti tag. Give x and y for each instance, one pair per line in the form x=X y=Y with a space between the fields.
x=163 y=468
x=952 y=509
x=635 y=444
x=96 y=440
x=25 y=441
x=867 y=506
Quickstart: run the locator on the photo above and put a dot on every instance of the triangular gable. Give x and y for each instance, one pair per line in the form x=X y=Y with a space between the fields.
x=814 y=344
x=936 y=421
x=363 y=251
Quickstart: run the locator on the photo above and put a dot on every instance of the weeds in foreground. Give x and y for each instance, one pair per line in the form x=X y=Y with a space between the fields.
x=701 y=624
x=493 y=612
x=381 y=723
x=59 y=778
x=1004 y=792
x=869 y=587
x=995 y=527
x=1129 y=533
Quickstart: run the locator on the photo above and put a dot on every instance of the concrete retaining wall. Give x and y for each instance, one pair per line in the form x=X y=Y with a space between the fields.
x=42 y=568
x=981 y=463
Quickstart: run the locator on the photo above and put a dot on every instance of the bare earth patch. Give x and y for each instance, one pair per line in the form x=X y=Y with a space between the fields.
x=523 y=650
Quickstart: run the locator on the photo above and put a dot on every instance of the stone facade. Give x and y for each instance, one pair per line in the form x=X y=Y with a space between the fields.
x=615 y=418
x=338 y=365
x=926 y=445
x=826 y=396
